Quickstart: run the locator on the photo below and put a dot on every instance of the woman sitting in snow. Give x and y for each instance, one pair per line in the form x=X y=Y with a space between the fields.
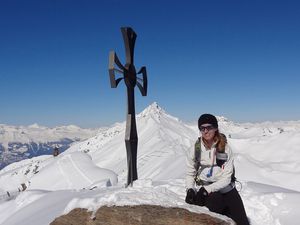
x=210 y=177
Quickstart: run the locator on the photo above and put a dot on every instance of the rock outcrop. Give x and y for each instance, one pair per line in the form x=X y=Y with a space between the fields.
x=137 y=215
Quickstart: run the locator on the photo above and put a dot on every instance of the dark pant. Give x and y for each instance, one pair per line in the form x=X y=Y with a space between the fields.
x=229 y=204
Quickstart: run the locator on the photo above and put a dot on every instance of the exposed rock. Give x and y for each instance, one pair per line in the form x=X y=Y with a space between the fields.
x=137 y=215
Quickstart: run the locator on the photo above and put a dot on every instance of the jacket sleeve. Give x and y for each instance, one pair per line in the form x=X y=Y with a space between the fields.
x=190 y=169
x=225 y=176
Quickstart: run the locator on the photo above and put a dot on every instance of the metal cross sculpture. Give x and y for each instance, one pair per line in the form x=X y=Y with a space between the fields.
x=131 y=80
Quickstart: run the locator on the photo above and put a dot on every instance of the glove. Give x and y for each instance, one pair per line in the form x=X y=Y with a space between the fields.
x=190 y=196
x=201 y=196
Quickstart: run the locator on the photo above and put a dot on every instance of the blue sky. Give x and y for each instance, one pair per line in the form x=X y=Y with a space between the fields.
x=239 y=59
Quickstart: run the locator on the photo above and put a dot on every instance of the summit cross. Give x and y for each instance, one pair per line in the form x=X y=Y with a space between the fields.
x=128 y=73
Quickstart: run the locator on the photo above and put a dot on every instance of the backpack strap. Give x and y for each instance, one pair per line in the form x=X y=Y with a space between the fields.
x=197 y=154
x=197 y=159
x=197 y=162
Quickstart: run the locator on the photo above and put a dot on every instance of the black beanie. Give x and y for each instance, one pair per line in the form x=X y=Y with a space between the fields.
x=208 y=118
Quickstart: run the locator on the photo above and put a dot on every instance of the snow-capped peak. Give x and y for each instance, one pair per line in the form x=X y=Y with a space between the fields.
x=222 y=119
x=34 y=126
x=153 y=111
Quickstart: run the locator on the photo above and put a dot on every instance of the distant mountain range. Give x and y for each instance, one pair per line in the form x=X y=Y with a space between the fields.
x=23 y=142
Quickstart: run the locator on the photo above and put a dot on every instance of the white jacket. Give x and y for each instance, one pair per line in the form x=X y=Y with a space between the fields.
x=219 y=178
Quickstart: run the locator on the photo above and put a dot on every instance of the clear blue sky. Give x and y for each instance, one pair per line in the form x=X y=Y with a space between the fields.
x=239 y=59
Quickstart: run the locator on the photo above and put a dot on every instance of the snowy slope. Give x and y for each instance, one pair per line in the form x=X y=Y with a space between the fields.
x=266 y=159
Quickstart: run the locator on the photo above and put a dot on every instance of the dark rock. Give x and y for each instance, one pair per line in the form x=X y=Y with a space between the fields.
x=137 y=215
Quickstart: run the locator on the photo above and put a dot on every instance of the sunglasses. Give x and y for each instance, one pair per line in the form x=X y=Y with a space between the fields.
x=208 y=128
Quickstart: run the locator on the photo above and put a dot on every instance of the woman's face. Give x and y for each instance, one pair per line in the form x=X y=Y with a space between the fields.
x=208 y=131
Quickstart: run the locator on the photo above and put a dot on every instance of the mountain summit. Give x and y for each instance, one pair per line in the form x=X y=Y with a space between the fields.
x=153 y=110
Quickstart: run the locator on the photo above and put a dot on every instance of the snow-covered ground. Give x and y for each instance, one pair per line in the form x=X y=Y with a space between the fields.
x=267 y=157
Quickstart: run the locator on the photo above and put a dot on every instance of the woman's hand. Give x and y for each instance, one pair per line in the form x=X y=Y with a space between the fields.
x=201 y=196
x=190 y=196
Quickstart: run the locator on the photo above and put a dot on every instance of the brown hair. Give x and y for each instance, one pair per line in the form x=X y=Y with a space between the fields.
x=221 y=141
